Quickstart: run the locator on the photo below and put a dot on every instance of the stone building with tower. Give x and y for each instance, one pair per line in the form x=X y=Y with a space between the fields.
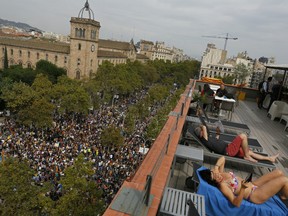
x=80 y=57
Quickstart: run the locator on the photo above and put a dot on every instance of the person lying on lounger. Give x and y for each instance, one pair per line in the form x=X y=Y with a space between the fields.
x=235 y=189
x=237 y=148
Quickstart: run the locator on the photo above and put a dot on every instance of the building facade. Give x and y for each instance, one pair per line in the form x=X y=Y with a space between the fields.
x=80 y=57
x=216 y=64
x=159 y=51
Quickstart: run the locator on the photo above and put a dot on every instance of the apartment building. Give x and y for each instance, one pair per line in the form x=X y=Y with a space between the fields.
x=159 y=51
x=216 y=64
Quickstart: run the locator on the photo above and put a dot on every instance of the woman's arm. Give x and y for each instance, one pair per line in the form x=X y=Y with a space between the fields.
x=220 y=164
x=204 y=131
x=227 y=192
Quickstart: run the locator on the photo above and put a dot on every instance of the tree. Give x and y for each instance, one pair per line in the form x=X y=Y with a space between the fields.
x=111 y=137
x=40 y=114
x=92 y=87
x=18 y=195
x=5 y=59
x=43 y=86
x=18 y=96
x=69 y=96
x=241 y=71
x=19 y=74
x=51 y=70
x=130 y=120
x=81 y=194
x=226 y=79
x=31 y=105
x=158 y=92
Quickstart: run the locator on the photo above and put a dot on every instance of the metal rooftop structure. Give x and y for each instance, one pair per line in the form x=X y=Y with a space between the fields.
x=88 y=9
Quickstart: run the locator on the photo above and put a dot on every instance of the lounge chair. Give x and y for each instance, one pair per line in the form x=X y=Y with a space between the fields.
x=191 y=136
x=217 y=204
x=229 y=126
x=253 y=143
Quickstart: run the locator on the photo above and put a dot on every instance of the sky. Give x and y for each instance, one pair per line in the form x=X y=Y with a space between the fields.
x=261 y=26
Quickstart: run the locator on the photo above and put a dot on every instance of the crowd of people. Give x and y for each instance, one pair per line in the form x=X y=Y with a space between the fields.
x=52 y=150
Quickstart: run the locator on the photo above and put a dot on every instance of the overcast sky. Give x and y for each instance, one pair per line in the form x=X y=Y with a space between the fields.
x=261 y=26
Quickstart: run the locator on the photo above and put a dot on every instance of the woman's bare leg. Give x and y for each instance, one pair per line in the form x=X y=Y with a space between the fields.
x=262 y=157
x=268 y=177
x=269 y=189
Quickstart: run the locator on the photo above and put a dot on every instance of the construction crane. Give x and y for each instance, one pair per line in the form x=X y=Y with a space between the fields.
x=226 y=39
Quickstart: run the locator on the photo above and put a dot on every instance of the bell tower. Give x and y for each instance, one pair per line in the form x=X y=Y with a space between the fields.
x=84 y=38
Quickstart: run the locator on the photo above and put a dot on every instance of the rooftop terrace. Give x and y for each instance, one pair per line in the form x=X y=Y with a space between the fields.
x=157 y=166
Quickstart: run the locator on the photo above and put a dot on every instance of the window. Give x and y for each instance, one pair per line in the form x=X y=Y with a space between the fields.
x=20 y=53
x=28 y=54
x=76 y=32
x=29 y=65
x=91 y=62
x=79 y=32
x=79 y=46
x=78 y=61
x=93 y=34
x=11 y=52
x=38 y=55
x=56 y=58
x=65 y=59
x=3 y=50
x=46 y=57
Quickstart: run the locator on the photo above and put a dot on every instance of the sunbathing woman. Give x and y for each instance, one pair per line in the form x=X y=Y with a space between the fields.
x=237 y=148
x=235 y=189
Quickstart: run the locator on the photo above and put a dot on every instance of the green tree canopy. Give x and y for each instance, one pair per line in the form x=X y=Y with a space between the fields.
x=81 y=193
x=18 y=96
x=158 y=92
x=70 y=96
x=111 y=137
x=18 y=195
x=241 y=71
x=51 y=70
x=19 y=74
